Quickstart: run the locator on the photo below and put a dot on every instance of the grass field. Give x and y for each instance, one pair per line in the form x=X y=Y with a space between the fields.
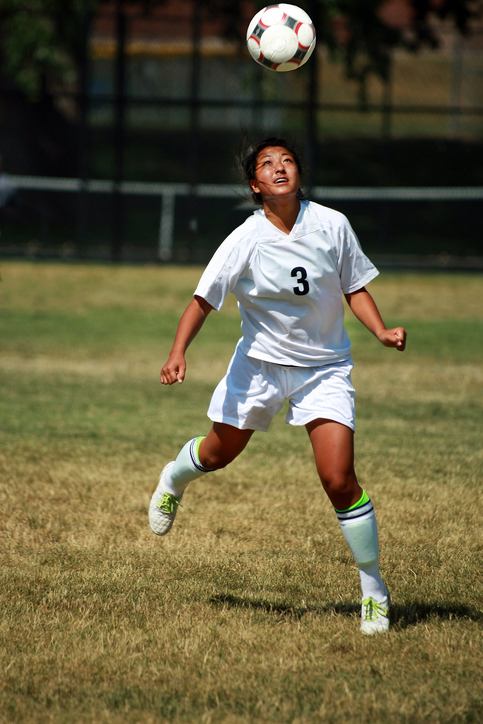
x=248 y=610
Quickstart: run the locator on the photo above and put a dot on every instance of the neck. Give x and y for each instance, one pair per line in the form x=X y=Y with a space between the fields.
x=282 y=213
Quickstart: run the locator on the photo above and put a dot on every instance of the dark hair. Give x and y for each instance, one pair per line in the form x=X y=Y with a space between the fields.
x=249 y=157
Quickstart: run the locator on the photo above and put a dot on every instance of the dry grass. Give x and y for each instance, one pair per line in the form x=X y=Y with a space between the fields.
x=248 y=610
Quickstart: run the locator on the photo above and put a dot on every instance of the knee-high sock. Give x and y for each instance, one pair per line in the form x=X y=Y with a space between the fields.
x=359 y=527
x=187 y=467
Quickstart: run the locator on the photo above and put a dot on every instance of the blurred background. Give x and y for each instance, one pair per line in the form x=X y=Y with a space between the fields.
x=120 y=123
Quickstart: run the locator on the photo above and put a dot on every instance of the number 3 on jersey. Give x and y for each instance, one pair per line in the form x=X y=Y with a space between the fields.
x=303 y=285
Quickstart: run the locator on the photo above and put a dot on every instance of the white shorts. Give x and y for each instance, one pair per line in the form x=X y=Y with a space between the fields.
x=253 y=391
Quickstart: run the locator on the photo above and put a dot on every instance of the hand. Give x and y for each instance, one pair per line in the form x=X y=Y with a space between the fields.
x=174 y=370
x=393 y=338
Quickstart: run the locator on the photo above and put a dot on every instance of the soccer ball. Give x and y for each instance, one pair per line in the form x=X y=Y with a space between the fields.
x=281 y=37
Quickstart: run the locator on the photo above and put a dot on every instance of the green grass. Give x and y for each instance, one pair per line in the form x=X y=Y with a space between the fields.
x=248 y=610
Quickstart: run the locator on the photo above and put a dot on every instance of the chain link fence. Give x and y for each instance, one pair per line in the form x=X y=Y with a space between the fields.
x=162 y=104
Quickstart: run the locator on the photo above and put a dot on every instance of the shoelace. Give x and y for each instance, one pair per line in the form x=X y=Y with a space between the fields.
x=167 y=503
x=373 y=610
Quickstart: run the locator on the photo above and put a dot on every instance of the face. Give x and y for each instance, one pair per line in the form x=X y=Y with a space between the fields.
x=276 y=173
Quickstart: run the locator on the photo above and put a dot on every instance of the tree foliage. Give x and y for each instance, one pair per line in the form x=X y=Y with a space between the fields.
x=40 y=41
x=366 y=32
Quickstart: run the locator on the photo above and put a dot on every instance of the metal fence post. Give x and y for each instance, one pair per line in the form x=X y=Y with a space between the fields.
x=117 y=203
x=312 y=149
x=194 y=132
x=83 y=134
x=166 y=226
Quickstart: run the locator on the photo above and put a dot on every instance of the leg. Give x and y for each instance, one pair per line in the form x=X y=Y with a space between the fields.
x=222 y=445
x=333 y=446
x=198 y=457
x=204 y=454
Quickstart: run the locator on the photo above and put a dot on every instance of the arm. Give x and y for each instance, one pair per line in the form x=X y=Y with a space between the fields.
x=189 y=325
x=364 y=307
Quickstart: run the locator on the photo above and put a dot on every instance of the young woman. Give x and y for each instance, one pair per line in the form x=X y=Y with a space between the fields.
x=288 y=266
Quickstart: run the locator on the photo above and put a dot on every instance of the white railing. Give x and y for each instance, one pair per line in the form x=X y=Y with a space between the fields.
x=167 y=194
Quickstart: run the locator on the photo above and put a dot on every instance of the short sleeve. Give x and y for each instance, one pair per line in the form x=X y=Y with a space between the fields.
x=227 y=265
x=355 y=269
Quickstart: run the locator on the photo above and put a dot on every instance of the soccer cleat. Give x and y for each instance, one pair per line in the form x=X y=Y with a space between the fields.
x=375 y=615
x=163 y=507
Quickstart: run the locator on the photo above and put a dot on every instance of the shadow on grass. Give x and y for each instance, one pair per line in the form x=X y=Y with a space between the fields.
x=281 y=609
x=402 y=616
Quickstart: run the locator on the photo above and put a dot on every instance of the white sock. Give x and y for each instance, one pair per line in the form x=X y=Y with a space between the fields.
x=187 y=467
x=359 y=527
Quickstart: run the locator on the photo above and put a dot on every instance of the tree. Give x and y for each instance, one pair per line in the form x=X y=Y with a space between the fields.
x=367 y=31
x=41 y=41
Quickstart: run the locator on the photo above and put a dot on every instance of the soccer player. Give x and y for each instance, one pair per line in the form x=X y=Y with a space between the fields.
x=287 y=265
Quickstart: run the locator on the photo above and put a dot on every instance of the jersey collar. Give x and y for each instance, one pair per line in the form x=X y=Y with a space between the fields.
x=303 y=225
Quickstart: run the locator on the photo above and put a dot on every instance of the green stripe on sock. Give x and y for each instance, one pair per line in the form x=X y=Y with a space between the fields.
x=363 y=500
x=197 y=446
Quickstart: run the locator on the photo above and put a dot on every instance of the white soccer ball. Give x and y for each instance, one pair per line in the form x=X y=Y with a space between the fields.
x=281 y=37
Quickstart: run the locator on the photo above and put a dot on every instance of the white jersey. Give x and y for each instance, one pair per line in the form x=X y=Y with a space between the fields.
x=289 y=287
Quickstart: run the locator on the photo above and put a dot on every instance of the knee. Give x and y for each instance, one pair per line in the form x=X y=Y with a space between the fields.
x=222 y=445
x=338 y=483
x=213 y=460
